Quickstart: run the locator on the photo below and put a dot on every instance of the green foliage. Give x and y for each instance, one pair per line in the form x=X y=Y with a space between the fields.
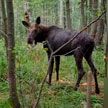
x=4 y=100
x=61 y=97
x=3 y=63
x=31 y=67
x=5 y=104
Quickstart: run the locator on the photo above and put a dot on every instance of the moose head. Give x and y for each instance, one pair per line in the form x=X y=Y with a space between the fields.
x=34 y=31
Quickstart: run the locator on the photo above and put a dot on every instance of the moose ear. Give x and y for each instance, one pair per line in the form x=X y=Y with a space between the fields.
x=38 y=20
x=26 y=24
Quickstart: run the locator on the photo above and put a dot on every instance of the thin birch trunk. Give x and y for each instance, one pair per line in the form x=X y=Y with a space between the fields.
x=61 y=14
x=11 y=55
x=68 y=14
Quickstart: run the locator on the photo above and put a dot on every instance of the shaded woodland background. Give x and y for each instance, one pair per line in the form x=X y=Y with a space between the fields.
x=29 y=65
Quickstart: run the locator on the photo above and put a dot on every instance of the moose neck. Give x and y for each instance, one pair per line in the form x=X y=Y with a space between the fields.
x=43 y=33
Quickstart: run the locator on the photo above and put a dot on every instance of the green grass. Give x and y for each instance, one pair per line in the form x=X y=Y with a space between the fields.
x=31 y=67
x=4 y=100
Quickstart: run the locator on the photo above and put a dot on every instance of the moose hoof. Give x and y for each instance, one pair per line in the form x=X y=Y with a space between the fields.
x=49 y=83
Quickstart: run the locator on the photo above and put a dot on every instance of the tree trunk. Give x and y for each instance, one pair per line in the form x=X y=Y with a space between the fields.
x=64 y=17
x=94 y=10
x=106 y=49
x=90 y=4
x=11 y=55
x=56 y=14
x=83 y=19
x=89 y=14
x=27 y=9
x=106 y=61
x=86 y=16
x=4 y=16
x=100 y=32
x=4 y=23
x=61 y=22
x=68 y=14
x=100 y=26
x=0 y=18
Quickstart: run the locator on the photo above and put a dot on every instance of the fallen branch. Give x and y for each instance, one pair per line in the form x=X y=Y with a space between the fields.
x=53 y=53
x=35 y=105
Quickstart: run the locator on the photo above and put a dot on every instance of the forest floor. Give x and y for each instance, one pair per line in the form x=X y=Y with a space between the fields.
x=31 y=67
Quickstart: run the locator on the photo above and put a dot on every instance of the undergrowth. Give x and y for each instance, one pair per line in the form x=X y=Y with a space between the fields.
x=31 y=67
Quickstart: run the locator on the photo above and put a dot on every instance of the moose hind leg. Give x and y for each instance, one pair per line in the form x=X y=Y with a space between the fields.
x=78 y=59
x=57 y=63
x=94 y=71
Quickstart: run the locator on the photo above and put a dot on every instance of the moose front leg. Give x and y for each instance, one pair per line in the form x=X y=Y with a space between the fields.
x=50 y=69
x=57 y=63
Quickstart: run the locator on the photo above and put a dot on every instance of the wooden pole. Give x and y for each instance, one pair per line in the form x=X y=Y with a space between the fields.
x=106 y=49
x=106 y=65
